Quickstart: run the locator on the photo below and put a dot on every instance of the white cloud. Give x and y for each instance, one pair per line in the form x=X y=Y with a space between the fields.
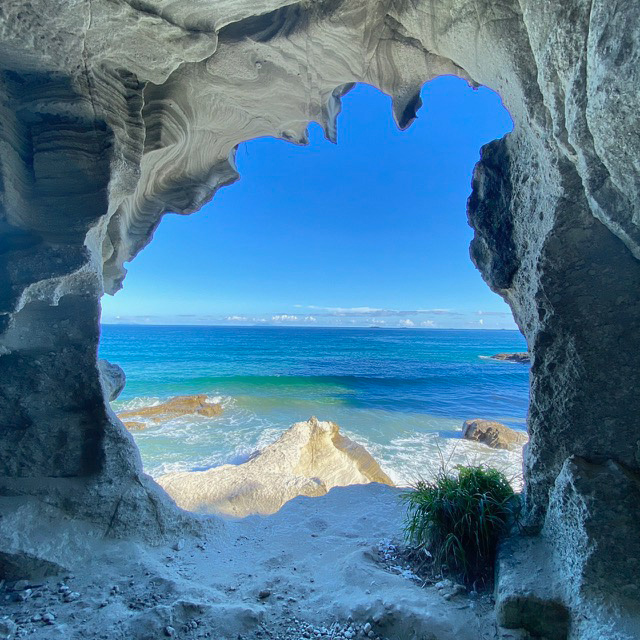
x=284 y=317
x=374 y=312
x=407 y=323
x=427 y=323
x=236 y=318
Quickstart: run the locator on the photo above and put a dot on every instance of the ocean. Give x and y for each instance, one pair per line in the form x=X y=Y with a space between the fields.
x=403 y=393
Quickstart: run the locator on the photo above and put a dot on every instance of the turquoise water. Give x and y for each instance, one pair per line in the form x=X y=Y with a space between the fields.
x=402 y=393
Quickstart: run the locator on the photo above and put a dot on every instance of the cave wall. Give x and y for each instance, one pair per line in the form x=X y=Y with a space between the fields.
x=115 y=112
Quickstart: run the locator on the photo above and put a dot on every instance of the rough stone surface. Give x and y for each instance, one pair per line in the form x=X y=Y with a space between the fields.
x=113 y=379
x=522 y=358
x=113 y=113
x=197 y=405
x=308 y=459
x=493 y=434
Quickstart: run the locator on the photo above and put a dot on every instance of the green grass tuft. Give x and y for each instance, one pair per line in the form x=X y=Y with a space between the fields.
x=459 y=517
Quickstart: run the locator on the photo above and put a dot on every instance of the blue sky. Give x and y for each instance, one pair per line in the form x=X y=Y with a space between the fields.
x=371 y=231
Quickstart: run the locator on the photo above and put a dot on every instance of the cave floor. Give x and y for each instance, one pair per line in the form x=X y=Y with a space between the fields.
x=314 y=569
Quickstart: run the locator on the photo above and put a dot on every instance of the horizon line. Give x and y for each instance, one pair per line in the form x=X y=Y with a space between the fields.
x=304 y=326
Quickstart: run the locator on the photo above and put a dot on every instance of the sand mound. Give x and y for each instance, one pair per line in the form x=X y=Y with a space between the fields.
x=308 y=459
x=174 y=408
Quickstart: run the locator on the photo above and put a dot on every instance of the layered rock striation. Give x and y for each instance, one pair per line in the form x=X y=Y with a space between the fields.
x=115 y=112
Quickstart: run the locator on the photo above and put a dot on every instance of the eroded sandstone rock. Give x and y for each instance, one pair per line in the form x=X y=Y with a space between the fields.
x=308 y=459
x=177 y=407
x=494 y=434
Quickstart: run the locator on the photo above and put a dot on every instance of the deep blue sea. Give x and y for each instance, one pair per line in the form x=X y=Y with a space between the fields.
x=402 y=393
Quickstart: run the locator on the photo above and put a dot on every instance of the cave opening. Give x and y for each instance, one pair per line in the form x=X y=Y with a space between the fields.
x=398 y=356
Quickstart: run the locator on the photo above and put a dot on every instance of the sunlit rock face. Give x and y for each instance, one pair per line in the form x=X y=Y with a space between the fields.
x=309 y=459
x=114 y=112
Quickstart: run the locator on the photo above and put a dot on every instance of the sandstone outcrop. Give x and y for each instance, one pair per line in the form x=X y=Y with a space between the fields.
x=494 y=434
x=522 y=358
x=308 y=459
x=134 y=425
x=114 y=113
x=177 y=407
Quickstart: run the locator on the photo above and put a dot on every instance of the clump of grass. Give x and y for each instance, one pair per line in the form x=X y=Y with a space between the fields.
x=459 y=516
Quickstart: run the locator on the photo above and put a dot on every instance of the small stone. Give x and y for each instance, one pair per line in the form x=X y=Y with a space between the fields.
x=21 y=585
x=7 y=627
x=179 y=545
x=443 y=584
x=371 y=634
x=169 y=631
x=264 y=594
x=63 y=588
x=36 y=618
x=48 y=617
x=71 y=596
x=367 y=627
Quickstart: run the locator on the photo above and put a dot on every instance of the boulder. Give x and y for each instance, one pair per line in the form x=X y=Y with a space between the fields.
x=174 y=408
x=308 y=459
x=112 y=378
x=494 y=434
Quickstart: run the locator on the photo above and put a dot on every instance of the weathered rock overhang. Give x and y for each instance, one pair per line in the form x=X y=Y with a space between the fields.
x=114 y=112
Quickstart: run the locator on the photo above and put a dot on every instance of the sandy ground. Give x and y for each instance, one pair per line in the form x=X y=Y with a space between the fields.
x=311 y=568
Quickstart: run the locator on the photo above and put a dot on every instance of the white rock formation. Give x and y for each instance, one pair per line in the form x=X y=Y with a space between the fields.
x=308 y=459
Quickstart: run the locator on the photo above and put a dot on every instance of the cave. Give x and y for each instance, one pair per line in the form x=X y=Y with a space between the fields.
x=115 y=112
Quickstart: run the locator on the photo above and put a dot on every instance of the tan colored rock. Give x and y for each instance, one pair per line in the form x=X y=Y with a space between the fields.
x=493 y=434
x=132 y=425
x=174 y=408
x=308 y=459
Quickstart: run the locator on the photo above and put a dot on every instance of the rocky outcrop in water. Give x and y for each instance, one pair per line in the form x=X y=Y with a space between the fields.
x=195 y=405
x=115 y=112
x=494 y=434
x=308 y=459
x=522 y=358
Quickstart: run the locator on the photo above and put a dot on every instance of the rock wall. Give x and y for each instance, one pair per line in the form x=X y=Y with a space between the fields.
x=114 y=112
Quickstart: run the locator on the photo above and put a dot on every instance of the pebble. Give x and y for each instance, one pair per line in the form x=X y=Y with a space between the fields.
x=443 y=584
x=7 y=627
x=71 y=596
x=18 y=596
x=264 y=594
x=36 y=618
x=49 y=618
x=169 y=631
x=179 y=545
x=21 y=585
